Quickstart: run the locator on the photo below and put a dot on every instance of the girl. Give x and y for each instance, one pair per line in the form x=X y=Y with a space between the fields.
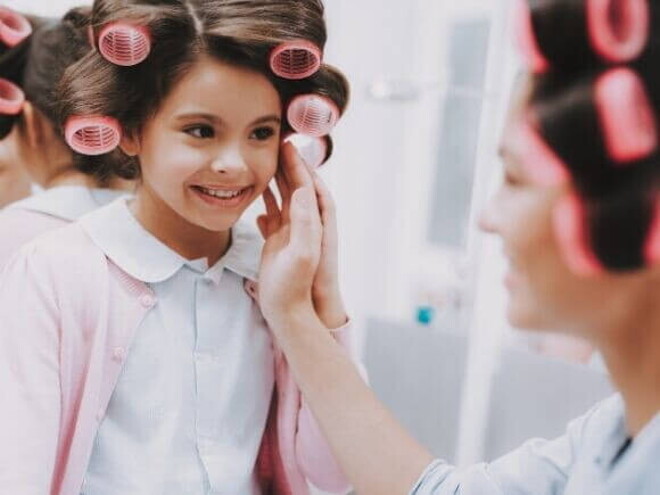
x=579 y=216
x=133 y=356
x=31 y=66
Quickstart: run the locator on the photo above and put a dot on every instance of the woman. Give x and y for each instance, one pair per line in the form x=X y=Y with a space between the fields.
x=578 y=217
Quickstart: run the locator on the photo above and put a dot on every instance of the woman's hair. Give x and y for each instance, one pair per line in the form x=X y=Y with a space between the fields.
x=37 y=64
x=597 y=107
x=241 y=32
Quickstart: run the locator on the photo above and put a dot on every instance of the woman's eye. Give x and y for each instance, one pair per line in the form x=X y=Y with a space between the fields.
x=262 y=133
x=201 y=131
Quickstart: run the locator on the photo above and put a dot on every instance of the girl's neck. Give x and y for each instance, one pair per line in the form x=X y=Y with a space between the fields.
x=188 y=240
x=632 y=353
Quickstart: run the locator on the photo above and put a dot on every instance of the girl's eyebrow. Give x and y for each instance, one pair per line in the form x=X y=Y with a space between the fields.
x=275 y=119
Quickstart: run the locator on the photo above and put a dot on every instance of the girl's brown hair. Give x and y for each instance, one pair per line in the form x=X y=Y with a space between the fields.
x=240 y=32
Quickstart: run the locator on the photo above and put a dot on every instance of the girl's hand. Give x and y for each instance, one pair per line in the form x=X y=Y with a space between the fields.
x=292 y=250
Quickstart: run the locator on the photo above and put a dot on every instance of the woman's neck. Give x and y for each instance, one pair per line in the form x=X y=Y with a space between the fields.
x=190 y=241
x=632 y=353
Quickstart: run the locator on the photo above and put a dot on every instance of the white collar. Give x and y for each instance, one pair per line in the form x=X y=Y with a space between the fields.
x=136 y=251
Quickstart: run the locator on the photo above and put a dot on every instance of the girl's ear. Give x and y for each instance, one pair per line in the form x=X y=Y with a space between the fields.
x=130 y=144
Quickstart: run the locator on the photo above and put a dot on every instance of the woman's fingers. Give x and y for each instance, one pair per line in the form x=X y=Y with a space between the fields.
x=285 y=193
x=273 y=215
x=295 y=170
x=306 y=229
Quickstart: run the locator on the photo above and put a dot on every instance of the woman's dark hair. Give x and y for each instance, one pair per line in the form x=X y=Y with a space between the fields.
x=619 y=199
x=241 y=32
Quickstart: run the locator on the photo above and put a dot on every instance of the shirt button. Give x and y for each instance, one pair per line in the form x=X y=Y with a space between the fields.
x=118 y=354
x=147 y=300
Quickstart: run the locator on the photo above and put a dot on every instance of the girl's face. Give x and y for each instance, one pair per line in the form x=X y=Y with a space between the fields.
x=543 y=292
x=212 y=147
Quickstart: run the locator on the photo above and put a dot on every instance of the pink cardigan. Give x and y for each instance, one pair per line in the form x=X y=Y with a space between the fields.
x=67 y=318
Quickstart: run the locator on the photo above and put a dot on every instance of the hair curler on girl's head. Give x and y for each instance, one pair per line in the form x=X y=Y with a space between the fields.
x=296 y=59
x=12 y=98
x=124 y=44
x=14 y=27
x=312 y=114
x=93 y=135
x=593 y=32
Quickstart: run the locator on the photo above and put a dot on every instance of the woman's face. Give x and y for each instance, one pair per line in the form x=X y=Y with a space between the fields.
x=212 y=147
x=543 y=292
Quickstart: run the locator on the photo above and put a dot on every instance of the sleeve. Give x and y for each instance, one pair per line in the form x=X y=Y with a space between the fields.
x=313 y=452
x=29 y=378
x=538 y=467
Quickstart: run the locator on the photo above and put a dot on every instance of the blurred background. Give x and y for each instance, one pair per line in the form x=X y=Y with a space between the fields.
x=415 y=161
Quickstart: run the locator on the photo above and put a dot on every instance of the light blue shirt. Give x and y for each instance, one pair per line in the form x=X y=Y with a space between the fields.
x=189 y=411
x=592 y=458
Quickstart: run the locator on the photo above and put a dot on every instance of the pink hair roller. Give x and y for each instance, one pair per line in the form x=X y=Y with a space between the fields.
x=652 y=247
x=14 y=27
x=618 y=29
x=93 y=135
x=124 y=44
x=625 y=115
x=541 y=163
x=572 y=238
x=313 y=115
x=12 y=98
x=529 y=48
x=314 y=150
x=296 y=59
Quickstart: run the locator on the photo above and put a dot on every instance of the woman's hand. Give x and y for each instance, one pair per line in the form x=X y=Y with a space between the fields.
x=294 y=174
x=293 y=236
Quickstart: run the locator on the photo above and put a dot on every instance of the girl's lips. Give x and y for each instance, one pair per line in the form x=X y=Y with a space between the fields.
x=222 y=202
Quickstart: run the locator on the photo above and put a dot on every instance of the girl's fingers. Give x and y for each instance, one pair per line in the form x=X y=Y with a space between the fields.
x=306 y=229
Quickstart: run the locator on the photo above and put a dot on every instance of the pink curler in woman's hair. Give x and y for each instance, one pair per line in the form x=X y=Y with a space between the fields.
x=527 y=45
x=12 y=98
x=295 y=59
x=124 y=44
x=312 y=114
x=92 y=135
x=14 y=27
x=652 y=247
x=626 y=116
x=570 y=230
x=314 y=150
x=541 y=163
x=618 y=29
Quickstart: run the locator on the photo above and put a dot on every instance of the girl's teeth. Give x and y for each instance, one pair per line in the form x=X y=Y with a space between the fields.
x=222 y=194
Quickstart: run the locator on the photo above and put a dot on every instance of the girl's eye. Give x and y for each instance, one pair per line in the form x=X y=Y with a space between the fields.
x=262 y=133
x=201 y=131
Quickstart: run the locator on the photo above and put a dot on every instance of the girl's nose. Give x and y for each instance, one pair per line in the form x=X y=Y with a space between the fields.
x=229 y=160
